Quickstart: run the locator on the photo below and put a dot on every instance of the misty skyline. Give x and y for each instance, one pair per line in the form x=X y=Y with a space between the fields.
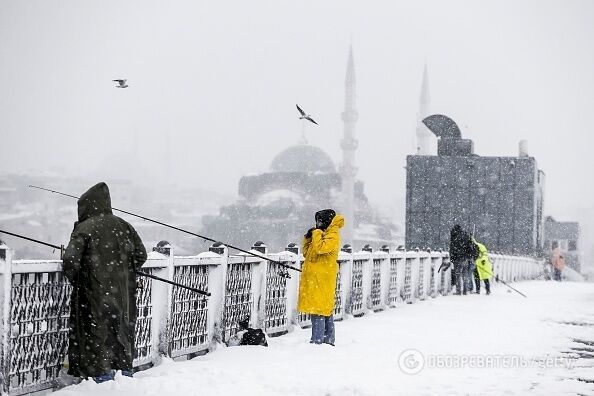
x=215 y=86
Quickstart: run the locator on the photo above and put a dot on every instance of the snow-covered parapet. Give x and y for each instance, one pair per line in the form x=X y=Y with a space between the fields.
x=34 y=298
x=176 y=322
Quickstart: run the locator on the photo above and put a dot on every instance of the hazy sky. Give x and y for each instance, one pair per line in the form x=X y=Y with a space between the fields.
x=215 y=84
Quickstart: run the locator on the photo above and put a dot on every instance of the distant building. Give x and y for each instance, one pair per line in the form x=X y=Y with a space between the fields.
x=500 y=199
x=278 y=206
x=566 y=235
x=50 y=217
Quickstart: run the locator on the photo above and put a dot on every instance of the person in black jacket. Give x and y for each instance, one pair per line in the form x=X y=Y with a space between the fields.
x=461 y=252
x=100 y=262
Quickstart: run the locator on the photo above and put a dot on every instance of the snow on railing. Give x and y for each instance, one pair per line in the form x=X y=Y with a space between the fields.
x=175 y=322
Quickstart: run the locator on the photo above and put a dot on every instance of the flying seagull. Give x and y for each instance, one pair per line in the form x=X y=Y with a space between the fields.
x=305 y=116
x=122 y=83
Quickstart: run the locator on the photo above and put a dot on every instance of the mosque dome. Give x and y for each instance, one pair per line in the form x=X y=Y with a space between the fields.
x=303 y=158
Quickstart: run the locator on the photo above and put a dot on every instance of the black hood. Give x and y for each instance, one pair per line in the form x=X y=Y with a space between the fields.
x=94 y=202
x=325 y=217
x=456 y=230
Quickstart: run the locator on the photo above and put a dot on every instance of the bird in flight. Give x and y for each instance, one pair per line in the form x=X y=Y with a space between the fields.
x=305 y=116
x=122 y=84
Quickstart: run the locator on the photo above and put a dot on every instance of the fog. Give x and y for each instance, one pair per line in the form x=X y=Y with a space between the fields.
x=213 y=87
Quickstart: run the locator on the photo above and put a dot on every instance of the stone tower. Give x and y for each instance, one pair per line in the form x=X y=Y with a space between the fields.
x=348 y=170
x=424 y=136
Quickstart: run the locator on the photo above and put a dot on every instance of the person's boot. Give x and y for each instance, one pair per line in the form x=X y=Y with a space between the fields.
x=104 y=377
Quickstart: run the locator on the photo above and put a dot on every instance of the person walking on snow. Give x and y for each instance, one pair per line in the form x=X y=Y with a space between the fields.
x=473 y=276
x=100 y=262
x=317 y=285
x=461 y=251
x=484 y=268
x=558 y=261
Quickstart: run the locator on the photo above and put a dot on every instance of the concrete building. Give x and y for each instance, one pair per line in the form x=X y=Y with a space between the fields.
x=500 y=199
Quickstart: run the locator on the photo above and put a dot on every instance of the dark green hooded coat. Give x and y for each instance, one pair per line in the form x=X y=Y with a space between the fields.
x=100 y=260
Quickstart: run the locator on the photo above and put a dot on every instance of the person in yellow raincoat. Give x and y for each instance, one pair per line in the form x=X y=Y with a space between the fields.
x=484 y=268
x=317 y=285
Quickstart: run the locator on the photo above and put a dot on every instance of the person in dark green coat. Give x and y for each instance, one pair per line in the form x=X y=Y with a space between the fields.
x=100 y=260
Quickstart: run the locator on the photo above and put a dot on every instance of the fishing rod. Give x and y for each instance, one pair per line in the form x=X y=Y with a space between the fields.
x=179 y=229
x=506 y=284
x=61 y=247
x=445 y=266
x=140 y=273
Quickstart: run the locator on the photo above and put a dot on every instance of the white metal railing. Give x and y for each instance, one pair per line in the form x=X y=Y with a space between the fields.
x=172 y=321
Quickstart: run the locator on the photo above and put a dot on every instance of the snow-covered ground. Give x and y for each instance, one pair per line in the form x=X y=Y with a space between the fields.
x=525 y=343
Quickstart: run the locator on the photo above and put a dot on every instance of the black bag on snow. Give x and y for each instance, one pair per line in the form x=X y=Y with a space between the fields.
x=254 y=337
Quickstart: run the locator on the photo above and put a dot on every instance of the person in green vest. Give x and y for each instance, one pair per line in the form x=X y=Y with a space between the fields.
x=484 y=267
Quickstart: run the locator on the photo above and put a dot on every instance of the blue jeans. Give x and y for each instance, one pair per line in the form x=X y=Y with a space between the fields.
x=322 y=329
x=461 y=276
x=470 y=275
x=110 y=376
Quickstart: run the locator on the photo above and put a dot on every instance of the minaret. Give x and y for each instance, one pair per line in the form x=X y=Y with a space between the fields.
x=424 y=135
x=348 y=170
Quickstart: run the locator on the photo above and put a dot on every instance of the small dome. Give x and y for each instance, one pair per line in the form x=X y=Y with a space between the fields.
x=303 y=158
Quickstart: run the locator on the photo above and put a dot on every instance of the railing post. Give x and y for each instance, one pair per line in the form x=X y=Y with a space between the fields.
x=162 y=301
x=345 y=256
x=5 y=293
x=343 y=283
x=364 y=257
x=259 y=272
x=435 y=263
x=385 y=276
x=446 y=275
x=301 y=319
x=292 y=286
x=217 y=279
x=401 y=260
x=424 y=272
x=415 y=272
x=508 y=269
